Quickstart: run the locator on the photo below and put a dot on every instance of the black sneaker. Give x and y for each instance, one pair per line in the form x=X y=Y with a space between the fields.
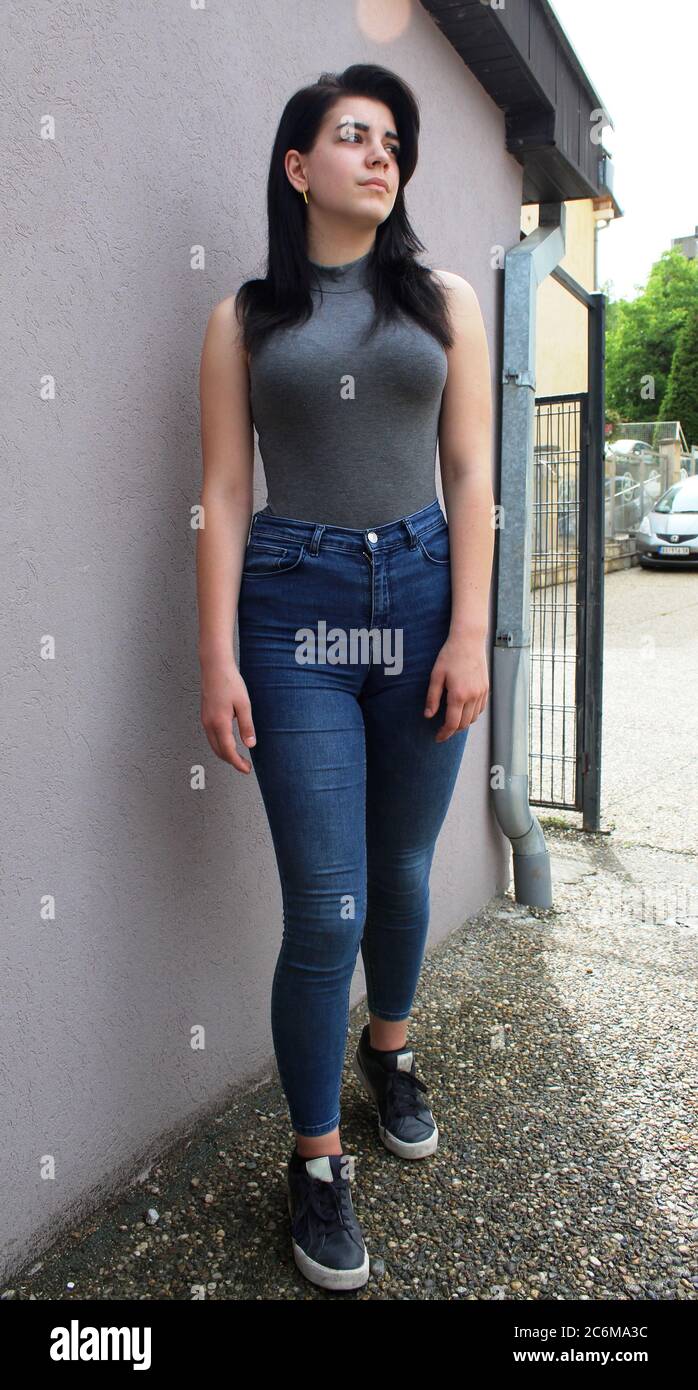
x=405 y=1124
x=328 y=1246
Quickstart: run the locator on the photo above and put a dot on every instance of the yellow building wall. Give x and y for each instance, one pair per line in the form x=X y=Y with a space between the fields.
x=561 y=341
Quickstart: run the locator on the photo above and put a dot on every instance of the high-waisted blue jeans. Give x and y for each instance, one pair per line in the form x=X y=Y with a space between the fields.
x=339 y=630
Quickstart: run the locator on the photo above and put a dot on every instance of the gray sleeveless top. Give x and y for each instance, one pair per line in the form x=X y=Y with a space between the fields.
x=348 y=430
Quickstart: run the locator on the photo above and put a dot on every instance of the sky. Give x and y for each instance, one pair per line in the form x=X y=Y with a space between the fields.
x=641 y=61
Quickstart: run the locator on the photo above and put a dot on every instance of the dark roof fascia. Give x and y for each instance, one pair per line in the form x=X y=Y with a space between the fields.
x=522 y=57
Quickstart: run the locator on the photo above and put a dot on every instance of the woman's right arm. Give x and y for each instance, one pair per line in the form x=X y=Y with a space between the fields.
x=227 y=448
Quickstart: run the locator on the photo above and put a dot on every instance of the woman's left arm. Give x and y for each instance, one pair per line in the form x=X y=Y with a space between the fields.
x=465 y=427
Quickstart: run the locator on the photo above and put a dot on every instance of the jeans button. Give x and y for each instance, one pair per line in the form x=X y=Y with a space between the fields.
x=372 y=535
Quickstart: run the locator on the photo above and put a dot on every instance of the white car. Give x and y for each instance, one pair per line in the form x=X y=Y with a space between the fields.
x=668 y=535
x=626 y=449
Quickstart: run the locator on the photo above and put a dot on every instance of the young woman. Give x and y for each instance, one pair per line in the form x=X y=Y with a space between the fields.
x=362 y=612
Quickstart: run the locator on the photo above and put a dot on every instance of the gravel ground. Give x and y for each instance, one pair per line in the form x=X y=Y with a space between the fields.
x=559 y=1051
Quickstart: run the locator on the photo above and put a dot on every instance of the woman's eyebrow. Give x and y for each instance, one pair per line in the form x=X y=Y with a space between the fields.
x=361 y=125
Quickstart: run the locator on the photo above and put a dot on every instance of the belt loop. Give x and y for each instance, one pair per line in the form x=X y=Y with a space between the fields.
x=315 y=542
x=410 y=531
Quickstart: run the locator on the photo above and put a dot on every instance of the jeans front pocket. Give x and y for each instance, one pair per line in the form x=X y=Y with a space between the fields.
x=435 y=545
x=264 y=558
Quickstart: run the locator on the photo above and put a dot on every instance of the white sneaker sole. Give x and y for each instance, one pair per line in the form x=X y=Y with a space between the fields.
x=422 y=1149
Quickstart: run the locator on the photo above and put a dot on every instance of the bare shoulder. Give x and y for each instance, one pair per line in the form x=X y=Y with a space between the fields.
x=461 y=290
x=223 y=331
x=463 y=303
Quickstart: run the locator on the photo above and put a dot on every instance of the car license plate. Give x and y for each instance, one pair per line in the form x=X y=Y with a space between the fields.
x=674 y=550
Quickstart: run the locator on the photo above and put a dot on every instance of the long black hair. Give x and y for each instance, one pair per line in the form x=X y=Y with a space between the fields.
x=397 y=281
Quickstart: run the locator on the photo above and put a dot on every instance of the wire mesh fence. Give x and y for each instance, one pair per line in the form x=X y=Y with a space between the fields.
x=554 y=696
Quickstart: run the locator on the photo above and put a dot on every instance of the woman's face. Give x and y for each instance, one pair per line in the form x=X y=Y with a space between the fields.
x=357 y=142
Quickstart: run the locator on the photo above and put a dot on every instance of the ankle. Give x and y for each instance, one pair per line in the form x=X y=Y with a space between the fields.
x=386 y=1036
x=386 y=1045
x=320 y=1147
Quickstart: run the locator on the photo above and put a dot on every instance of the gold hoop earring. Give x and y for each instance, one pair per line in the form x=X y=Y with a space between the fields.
x=305 y=195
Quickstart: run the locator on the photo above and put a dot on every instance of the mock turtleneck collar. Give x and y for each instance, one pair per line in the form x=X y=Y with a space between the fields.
x=339 y=279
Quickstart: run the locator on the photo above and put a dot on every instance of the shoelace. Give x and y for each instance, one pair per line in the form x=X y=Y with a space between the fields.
x=329 y=1200
x=402 y=1089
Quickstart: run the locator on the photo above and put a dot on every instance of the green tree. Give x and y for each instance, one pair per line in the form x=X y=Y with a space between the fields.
x=681 y=397
x=641 y=337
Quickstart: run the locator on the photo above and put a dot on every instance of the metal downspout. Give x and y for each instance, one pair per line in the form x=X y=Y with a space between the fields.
x=525 y=266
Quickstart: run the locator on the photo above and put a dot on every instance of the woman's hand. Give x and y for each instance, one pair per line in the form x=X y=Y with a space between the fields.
x=224 y=697
x=461 y=667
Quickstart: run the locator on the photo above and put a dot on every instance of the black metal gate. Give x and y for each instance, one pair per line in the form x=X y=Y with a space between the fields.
x=567 y=583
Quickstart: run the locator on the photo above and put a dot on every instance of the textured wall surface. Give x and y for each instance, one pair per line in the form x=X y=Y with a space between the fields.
x=167 y=905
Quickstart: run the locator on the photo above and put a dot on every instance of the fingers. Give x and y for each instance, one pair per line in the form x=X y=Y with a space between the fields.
x=243 y=713
x=434 y=692
x=456 y=712
x=221 y=738
x=460 y=714
x=231 y=702
x=460 y=711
